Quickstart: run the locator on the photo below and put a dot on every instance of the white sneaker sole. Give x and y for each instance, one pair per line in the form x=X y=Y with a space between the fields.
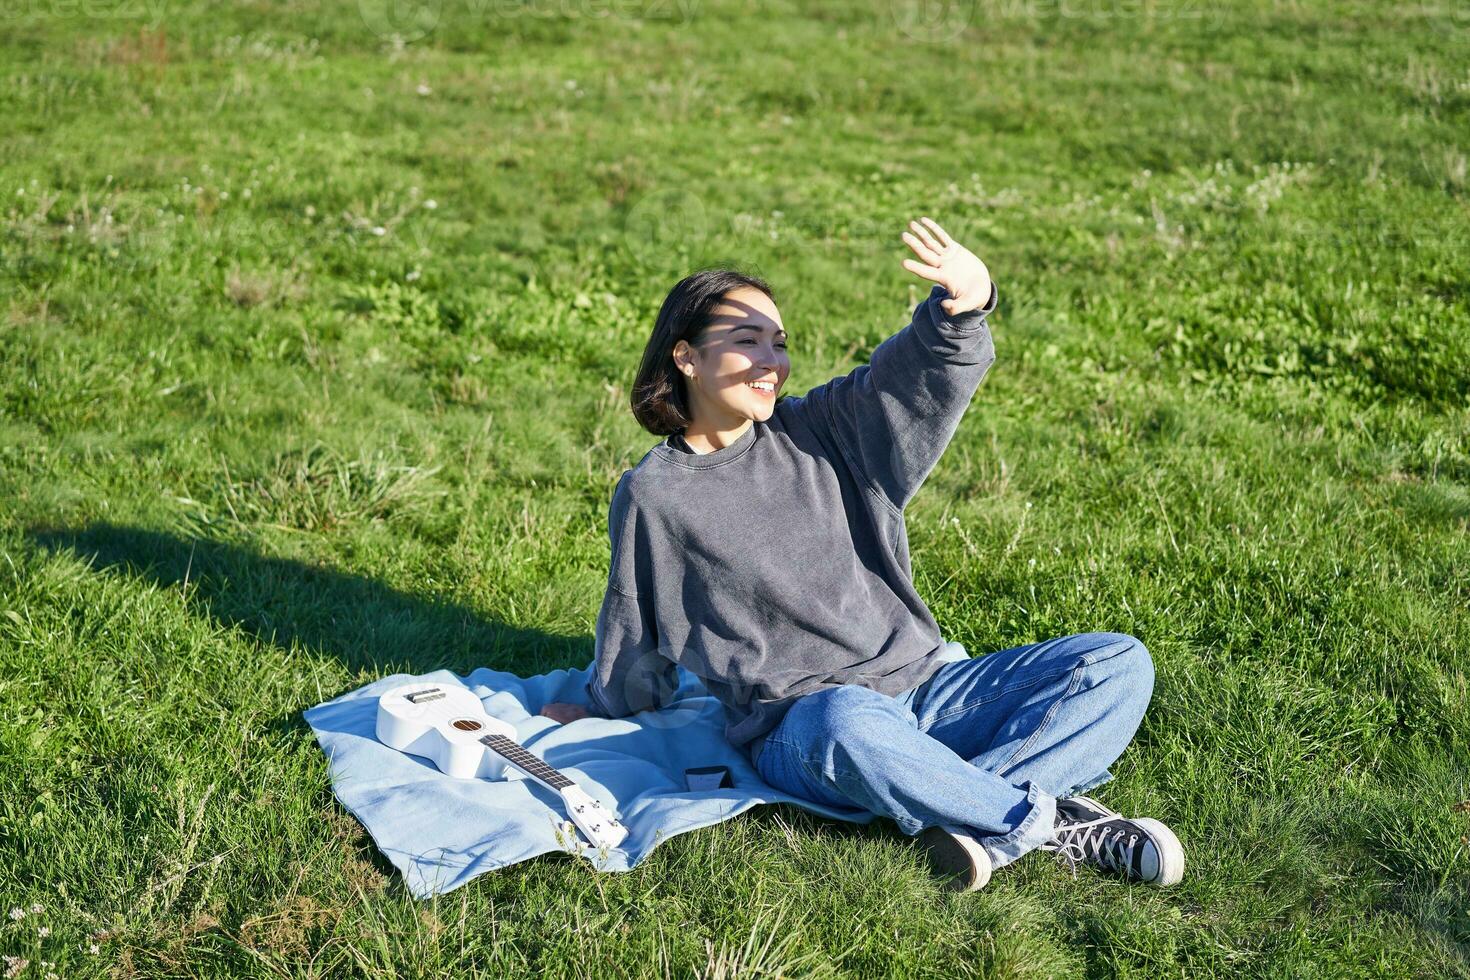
x=1171 y=852
x=957 y=857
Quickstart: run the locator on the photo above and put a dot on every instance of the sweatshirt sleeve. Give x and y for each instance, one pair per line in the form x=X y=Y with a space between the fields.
x=894 y=416
x=629 y=670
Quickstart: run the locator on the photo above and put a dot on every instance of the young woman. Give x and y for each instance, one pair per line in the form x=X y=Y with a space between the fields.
x=762 y=546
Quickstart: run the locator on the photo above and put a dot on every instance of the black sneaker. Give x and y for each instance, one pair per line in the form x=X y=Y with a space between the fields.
x=956 y=857
x=1143 y=849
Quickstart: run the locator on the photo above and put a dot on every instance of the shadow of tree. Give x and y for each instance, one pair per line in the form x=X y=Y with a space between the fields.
x=366 y=626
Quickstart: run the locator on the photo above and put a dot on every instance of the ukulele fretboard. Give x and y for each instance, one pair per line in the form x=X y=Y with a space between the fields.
x=532 y=766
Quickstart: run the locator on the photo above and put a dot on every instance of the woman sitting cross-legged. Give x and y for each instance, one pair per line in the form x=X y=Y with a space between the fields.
x=761 y=545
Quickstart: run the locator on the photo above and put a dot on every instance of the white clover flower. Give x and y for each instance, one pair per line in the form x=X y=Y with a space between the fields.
x=413 y=276
x=431 y=204
x=43 y=931
x=424 y=89
x=16 y=914
x=94 y=949
x=379 y=230
x=310 y=211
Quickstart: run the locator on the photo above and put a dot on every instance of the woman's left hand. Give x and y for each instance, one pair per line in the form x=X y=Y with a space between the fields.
x=563 y=713
x=947 y=262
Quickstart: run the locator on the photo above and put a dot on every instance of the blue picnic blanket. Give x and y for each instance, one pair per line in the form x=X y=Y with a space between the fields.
x=441 y=832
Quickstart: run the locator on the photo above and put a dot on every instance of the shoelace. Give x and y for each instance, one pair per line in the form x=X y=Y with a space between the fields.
x=1113 y=847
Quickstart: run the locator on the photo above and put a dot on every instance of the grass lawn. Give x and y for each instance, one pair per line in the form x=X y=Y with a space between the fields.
x=317 y=323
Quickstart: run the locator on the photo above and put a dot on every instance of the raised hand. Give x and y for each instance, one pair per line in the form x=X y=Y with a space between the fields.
x=947 y=262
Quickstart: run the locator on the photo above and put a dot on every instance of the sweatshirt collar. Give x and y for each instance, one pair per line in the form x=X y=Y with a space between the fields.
x=700 y=461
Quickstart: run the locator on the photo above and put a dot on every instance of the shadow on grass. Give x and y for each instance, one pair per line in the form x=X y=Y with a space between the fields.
x=364 y=625
x=369 y=628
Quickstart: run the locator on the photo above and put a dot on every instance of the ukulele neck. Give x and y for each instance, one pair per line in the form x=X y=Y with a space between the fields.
x=527 y=763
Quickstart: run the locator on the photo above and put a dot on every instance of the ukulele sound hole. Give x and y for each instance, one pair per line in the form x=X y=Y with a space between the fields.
x=467 y=724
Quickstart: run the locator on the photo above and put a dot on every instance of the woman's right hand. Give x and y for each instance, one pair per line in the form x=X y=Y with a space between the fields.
x=950 y=264
x=563 y=713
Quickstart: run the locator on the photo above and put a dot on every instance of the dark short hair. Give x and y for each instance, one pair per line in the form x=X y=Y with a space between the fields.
x=660 y=401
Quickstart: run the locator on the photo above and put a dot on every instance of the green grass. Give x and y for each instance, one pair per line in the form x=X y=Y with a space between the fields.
x=254 y=454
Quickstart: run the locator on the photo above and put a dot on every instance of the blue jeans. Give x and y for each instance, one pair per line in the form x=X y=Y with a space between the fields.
x=986 y=744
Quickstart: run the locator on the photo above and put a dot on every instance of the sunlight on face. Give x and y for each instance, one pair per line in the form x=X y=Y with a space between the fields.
x=740 y=360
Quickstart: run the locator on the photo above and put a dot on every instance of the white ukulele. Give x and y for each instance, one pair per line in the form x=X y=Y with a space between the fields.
x=448 y=725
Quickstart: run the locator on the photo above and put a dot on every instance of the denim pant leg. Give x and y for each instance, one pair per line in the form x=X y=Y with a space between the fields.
x=1056 y=713
x=850 y=746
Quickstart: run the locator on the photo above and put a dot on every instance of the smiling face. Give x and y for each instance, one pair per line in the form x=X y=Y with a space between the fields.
x=737 y=366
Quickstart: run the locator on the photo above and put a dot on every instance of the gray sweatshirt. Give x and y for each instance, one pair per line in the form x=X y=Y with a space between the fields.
x=778 y=565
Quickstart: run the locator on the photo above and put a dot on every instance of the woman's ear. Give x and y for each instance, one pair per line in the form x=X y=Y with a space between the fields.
x=682 y=361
